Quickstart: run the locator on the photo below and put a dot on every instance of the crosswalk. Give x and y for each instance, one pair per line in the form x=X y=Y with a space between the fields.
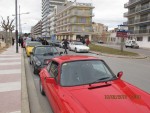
x=10 y=81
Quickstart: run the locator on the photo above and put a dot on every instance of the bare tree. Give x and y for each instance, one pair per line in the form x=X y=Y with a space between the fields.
x=7 y=27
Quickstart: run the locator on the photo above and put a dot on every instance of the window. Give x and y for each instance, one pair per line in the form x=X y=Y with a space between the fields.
x=53 y=69
x=139 y=38
x=148 y=39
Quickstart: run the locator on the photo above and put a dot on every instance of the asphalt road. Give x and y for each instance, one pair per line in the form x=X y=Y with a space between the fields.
x=136 y=72
x=142 y=51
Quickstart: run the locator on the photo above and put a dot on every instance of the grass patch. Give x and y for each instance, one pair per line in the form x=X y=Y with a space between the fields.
x=109 y=50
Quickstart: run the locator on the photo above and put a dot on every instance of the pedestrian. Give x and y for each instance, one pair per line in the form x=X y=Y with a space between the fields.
x=83 y=41
x=87 y=42
x=21 y=41
x=13 y=40
x=65 y=43
x=2 y=38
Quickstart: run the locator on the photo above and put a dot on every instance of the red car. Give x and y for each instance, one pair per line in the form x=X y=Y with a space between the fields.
x=85 y=84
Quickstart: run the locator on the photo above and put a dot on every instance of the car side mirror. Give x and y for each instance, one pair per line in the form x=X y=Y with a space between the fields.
x=50 y=80
x=61 y=53
x=119 y=75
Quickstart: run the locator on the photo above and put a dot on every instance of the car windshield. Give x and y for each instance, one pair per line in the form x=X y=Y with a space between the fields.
x=78 y=43
x=84 y=72
x=46 y=50
x=33 y=44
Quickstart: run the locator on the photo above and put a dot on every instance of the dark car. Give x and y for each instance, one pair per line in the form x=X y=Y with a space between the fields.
x=54 y=43
x=41 y=55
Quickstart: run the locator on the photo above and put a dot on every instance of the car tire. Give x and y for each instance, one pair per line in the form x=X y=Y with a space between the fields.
x=35 y=71
x=41 y=88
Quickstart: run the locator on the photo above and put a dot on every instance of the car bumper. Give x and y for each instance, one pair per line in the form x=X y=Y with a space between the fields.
x=83 y=50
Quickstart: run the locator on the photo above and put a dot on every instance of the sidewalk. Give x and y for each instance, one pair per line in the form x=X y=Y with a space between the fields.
x=10 y=81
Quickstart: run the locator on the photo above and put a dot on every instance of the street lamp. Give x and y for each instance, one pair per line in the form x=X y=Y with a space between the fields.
x=16 y=26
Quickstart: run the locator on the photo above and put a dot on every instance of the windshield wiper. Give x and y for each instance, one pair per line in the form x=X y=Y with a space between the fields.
x=104 y=79
x=50 y=53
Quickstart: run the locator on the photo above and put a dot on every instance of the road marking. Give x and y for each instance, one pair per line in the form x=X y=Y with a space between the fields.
x=11 y=86
x=1 y=59
x=9 y=63
x=11 y=71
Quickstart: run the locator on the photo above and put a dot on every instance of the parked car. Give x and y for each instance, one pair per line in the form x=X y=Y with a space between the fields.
x=30 y=45
x=100 y=41
x=78 y=47
x=85 y=84
x=131 y=43
x=54 y=43
x=41 y=55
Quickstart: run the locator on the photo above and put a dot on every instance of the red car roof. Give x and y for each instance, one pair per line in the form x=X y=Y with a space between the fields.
x=68 y=58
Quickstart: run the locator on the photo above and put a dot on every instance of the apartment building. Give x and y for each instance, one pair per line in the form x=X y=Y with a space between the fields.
x=99 y=32
x=139 y=21
x=47 y=9
x=74 y=21
x=36 y=31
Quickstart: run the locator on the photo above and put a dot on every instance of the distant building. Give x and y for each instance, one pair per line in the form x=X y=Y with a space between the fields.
x=113 y=39
x=36 y=31
x=139 y=21
x=100 y=32
x=47 y=9
x=74 y=21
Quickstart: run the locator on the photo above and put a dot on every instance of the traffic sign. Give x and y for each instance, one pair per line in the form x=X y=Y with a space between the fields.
x=122 y=34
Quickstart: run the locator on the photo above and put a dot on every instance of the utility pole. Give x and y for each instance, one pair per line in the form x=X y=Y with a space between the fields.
x=16 y=26
x=20 y=30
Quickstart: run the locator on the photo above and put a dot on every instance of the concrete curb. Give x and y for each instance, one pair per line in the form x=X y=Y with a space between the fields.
x=119 y=56
x=24 y=92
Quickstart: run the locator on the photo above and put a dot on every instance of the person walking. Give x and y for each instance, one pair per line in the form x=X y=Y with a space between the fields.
x=65 y=43
x=13 y=40
x=87 y=41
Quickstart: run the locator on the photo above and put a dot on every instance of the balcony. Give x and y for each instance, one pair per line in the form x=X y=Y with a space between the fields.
x=139 y=21
x=82 y=13
x=131 y=2
x=137 y=10
x=141 y=31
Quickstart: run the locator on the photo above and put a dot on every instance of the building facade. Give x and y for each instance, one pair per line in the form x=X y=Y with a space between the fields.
x=74 y=21
x=100 y=32
x=139 y=21
x=47 y=9
x=36 y=31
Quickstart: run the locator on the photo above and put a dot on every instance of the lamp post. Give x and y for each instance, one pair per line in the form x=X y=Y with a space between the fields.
x=122 y=33
x=16 y=26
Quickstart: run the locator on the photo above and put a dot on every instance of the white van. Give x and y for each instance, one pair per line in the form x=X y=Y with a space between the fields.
x=131 y=43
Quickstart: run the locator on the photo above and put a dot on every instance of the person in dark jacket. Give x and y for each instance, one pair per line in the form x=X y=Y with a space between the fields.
x=13 y=40
x=65 y=43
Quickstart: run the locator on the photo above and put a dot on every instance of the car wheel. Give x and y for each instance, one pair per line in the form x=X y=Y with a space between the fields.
x=41 y=88
x=35 y=71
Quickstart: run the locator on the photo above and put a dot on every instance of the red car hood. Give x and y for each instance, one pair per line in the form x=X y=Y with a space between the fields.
x=99 y=98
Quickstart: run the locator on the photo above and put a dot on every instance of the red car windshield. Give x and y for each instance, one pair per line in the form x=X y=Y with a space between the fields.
x=84 y=72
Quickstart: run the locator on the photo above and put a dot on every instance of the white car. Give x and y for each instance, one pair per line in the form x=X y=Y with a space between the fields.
x=131 y=43
x=78 y=47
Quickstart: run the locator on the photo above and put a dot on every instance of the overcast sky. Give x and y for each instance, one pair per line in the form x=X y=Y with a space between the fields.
x=108 y=12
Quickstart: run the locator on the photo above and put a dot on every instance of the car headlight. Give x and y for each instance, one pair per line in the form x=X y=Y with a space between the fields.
x=38 y=63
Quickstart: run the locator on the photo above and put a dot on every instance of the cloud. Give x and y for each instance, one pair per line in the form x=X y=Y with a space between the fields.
x=107 y=12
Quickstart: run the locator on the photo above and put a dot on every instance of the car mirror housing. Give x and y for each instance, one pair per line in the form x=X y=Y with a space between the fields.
x=119 y=75
x=50 y=80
